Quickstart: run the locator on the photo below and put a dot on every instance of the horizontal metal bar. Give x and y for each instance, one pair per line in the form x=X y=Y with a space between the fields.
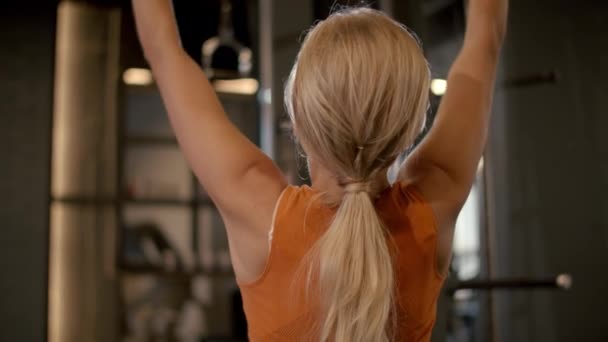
x=155 y=271
x=100 y=201
x=86 y=200
x=533 y=79
x=561 y=282
x=151 y=140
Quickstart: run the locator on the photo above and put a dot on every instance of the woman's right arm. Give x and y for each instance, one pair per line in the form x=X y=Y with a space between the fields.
x=240 y=179
x=444 y=165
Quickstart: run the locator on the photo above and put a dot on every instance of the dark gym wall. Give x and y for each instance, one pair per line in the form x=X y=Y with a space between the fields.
x=549 y=171
x=323 y=8
x=27 y=34
x=547 y=166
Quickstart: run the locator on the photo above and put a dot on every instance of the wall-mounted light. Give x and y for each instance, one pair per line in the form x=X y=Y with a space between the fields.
x=138 y=76
x=439 y=86
x=241 y=86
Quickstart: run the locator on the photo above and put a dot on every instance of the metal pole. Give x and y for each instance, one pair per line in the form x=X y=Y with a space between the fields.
x=82 y=277
x=267 y=116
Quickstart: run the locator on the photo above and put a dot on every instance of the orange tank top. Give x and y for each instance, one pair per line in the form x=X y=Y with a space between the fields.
x=273 y=304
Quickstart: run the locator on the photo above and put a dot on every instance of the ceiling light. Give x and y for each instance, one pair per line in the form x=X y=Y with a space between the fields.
x=439 y=86
x=138 y=76
x=241 y=86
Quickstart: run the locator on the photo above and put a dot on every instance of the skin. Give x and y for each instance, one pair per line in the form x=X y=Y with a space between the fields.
x=245 y=184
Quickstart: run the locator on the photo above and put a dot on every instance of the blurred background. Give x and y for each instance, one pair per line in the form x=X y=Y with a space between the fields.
x=106 y=236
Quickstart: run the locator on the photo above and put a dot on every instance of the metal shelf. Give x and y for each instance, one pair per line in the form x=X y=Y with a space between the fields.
x=84 y=200
x=154 y=271
x=170 y=202
x=151 y=140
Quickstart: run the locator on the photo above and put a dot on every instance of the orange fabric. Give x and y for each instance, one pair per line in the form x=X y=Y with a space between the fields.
x=274 y=305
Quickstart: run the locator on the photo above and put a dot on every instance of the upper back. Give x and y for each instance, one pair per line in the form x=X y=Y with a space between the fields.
x=276 y=304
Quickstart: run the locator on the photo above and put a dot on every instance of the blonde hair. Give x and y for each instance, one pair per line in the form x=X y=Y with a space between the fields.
x=357 y=96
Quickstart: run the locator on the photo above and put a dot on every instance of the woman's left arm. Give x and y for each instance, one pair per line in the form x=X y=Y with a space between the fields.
x=241 y=180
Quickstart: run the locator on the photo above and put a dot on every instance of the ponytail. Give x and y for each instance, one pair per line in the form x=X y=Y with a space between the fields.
x=356 y=277
x=354 y=113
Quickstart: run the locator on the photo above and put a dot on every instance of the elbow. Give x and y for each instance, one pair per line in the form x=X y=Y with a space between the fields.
x=153 y=55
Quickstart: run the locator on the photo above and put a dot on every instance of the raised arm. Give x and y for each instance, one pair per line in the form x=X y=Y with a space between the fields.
x=443 y=166
x=239 y=178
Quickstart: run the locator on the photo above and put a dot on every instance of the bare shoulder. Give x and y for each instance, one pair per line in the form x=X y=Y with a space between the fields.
x=249 y=227
x=444 y=197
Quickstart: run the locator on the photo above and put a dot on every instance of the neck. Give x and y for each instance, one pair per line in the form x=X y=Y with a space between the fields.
x=323 y=181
